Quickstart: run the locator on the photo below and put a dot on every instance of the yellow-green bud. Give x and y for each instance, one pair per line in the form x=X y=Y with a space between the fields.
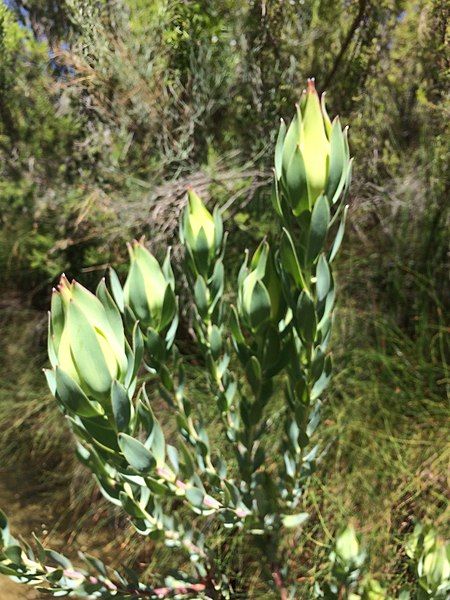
x=435 y=566
x=86 y=341
x=312 y=156
x=199 y=218
x=260 y=298
x=202 y=232
x=147 y=290
x=314 y=144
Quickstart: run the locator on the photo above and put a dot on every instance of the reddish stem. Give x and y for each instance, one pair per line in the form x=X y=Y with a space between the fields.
x=278 y=580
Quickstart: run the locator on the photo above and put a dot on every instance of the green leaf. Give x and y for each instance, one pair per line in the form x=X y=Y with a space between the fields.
x=290 y=521
x=195 y=496
x=320 y=219
x=154 y=344
x=339 y=236
x=4 y=570
x=59 y=559
x=218 y=227
x=323 y=276
x=51 y=380
x=275 y=197
x=156 y=487
x=158 y=445
x=138 y=351
x=306 y=317
x=291 y=139
x=172 y=453
x=201 y=252
x=121 y=406
x=73 y=397
x=327 y=307
x=136 y=453
x=260 y=307
x=235 y=327
x=279 y=148
x=290 y=260
x=116 y=289
x=111 y=310
x=296 y=185
x=135 y=293
x=188 y=465
x=216 y=283
x=337 y=161
x=215 y=341
x=201 y=296
x=56 y=317
x=131 y=507
x=102 y=433
x=323 y=380
x=253 y=372
x=167 y=269
x=168 y=307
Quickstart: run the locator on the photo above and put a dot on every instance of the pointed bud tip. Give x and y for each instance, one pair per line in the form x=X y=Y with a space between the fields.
x=311 y=83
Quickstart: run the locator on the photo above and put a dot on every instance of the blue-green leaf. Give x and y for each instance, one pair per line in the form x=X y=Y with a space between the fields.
x=260 y=307
x=136 y=453
x=291 y=139
x=339 y=236
x=337 y=161
x=323 y=277
x=73 y=397
x=201 y=296
x=121 y=406
x=320 y=219
x=296 y=185
x=116 y=289
x=290 y=260
x=279 y=148
x=306 y=317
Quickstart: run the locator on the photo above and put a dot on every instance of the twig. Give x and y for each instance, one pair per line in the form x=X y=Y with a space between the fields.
x=279 y=583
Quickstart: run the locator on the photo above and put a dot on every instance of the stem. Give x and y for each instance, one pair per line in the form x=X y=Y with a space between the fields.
x=278 y=580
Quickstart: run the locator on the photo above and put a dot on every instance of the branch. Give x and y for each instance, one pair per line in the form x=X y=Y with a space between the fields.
x=345 y=44
x=279 y=583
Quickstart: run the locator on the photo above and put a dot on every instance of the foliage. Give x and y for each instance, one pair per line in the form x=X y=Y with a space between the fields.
x=123 y=96
x=280 y=327
x=118 y=106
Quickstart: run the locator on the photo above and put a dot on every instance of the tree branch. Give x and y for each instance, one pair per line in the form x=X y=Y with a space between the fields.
x=345 y=44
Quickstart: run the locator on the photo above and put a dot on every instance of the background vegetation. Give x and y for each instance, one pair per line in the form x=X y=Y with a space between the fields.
x=109 y=109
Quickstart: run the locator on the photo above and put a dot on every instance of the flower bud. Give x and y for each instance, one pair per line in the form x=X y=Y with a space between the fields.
x=312 y=157
x=260 y=298
x=86 y=339
x=201 y=231
x=313 y=143
x=147 y=290
x=435 y=567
